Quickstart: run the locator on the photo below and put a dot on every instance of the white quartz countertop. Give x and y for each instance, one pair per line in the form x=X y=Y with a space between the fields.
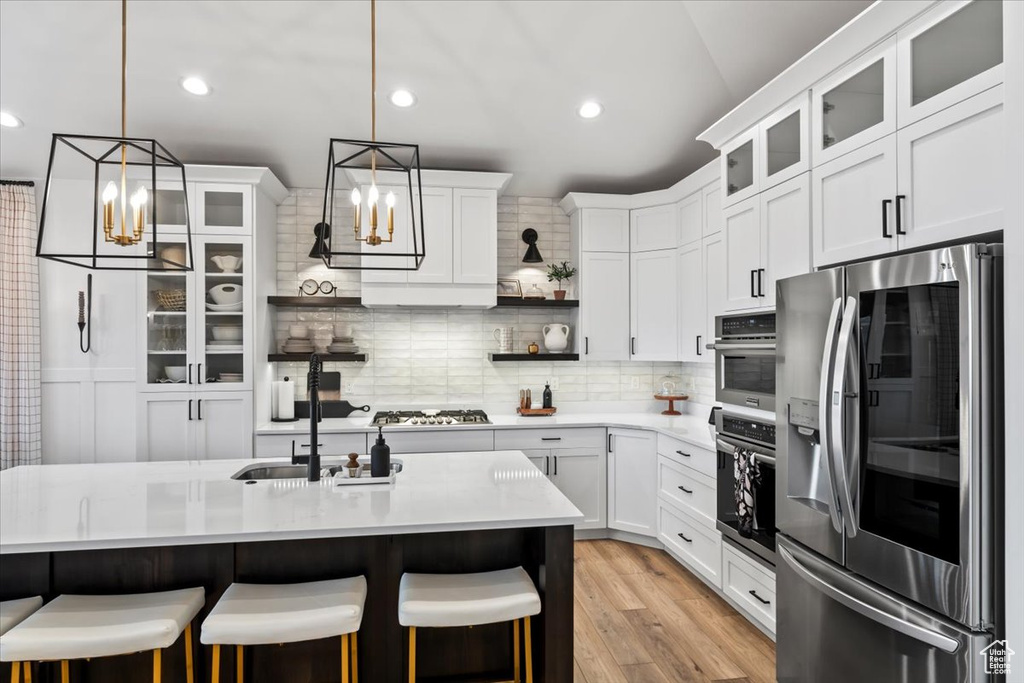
x=690 y=428
x=47 y=508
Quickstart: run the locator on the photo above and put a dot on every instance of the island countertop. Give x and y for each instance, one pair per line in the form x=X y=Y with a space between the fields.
x=49 y=508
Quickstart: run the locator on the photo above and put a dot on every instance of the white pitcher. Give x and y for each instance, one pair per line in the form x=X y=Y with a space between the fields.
x=556 y=337
x=503 y=335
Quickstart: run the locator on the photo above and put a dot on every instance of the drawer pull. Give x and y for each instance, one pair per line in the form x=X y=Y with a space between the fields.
x=688 y=540
x=684 y=489
x=759 y=598
x=550 y=438
x=306 y=445
x=685 y=455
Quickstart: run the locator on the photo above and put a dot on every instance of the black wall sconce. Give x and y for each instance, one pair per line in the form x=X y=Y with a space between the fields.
x=322 y=231
x=85 y=316
x=532 y=253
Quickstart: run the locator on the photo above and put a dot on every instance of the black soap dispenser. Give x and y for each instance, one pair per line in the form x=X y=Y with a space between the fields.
x=380 y=457
x=547 y=395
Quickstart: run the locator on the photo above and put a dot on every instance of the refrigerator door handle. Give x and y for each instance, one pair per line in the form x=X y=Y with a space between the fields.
x=837 y=404
x=823 y=414
x=876 y=614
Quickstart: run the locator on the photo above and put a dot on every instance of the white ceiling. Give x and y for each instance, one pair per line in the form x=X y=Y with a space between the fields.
x=497 y=82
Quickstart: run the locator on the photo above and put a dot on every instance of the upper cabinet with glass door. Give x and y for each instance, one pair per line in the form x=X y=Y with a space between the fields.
x=223 y=344
x=223 y=209
x=951 y=53
x=741 y=159
x=783 y=137
x=855 y=106
x=168 y=354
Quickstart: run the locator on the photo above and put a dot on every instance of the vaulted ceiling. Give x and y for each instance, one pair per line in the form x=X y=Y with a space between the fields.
x=497 y=83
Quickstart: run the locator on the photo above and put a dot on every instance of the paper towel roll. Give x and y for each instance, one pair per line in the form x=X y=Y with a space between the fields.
x=274 y=409
x=285 y=392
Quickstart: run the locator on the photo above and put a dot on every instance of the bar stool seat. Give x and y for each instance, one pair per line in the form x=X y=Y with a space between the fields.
x=442 y=600
x=85 y=626
x=265 y=614
x=13 y=612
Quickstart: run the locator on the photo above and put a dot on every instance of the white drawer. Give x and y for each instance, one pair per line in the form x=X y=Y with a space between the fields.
x=688 y=489
x=280 y=445
x=698 y=546
x=526 y=438
x=700 y=459
x=750 y=585
x=439 y=441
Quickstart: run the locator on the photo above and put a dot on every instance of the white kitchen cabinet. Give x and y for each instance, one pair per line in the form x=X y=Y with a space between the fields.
x=750 y=585
x=475 y=236
x=580 y=474
x=698 y=546
x=223 y=209
x=712 y=208
x=785 y=234
x=852 y=204
x=654 y=313
x=688 y=489
x=164 y=425
x=604 y=306
x=338 y=445
x=949 y=54
x=223 y=426
x=437 y=231
x=603 y=229
x=713 y=252
x=742 y=254
x=194 y=426
x=172 y=211
x=440 y=441
x=692 y=313
x=690 y=218
x=653 y=228
x=741 y=159
x=856 y=105
x=784 y=138
x=949 y=172
x=632 y=481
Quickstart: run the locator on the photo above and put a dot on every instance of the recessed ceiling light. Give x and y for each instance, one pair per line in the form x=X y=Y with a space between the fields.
x=403 y=98
x=195 y=85
x=9 y=120
x=590 y=109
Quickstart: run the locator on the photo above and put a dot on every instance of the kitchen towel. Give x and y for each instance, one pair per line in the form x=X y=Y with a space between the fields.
x=746 y=475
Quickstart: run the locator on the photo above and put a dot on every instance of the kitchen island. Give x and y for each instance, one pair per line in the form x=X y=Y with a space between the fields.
x=135 y=527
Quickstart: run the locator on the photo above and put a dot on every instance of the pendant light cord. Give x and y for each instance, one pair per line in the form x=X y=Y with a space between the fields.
x=124 y=116
x=373 y=88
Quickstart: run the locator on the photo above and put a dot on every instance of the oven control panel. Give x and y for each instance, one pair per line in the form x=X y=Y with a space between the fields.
x=746 y=428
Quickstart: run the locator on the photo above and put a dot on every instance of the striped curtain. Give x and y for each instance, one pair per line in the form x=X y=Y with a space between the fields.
x=20 y=390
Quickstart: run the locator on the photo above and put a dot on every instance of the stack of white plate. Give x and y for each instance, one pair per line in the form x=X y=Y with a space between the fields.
x=230 y=377
x=295 y=345
x=224 y=308
x=343 y=345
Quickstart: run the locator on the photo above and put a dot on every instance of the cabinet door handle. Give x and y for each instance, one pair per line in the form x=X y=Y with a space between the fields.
x=759 y=598
x=685 y=455
x=547 y=465
x=688 y=540
x=199 y=374
x=699 y=352
x=899 y=214
x=550 y=438
x=885 y=218
x=556 y=464
x=760 y=282
x=684 y=489
x=586 y=346
x=306 y=445
x=199 y=409
x=609 y=443
x=753 y=291
x=190 y=375
x=632 y=346
x=190 y=409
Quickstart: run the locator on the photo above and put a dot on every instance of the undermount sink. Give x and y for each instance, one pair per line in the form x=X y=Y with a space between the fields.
x=260 y=472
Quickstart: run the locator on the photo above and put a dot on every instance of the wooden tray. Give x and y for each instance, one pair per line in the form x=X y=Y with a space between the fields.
x=342 y=478
x=536 y=412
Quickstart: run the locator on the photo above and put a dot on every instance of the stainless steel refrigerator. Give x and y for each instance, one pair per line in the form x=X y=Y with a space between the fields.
x=888 y=419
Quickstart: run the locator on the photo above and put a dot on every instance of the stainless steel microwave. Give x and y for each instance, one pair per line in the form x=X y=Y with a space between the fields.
x=745 y=360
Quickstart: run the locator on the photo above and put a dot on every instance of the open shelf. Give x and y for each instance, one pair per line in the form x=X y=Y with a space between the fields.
x=510 y=302
x=326 y=357
x=506 y=357
x=316 y=301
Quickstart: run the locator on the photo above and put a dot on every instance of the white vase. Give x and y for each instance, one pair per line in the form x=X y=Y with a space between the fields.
x=556 y=337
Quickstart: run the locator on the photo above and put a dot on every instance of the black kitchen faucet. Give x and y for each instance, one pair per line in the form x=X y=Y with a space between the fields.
x=312 y=461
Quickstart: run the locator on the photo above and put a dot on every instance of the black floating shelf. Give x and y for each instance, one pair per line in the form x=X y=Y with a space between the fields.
x=304 y=357
x=316 y=301
x=499 y=357
x=537 y=303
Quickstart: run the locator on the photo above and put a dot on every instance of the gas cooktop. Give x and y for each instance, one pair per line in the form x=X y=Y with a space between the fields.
x=417 y=418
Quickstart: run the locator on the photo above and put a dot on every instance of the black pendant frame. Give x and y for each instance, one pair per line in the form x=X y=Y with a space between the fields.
x=356 y=155
x=158 y=158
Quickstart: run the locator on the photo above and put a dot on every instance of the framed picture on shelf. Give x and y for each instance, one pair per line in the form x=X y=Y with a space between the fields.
x=509 y=288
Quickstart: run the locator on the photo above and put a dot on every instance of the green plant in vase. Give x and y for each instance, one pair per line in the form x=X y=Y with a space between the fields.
x=560 y=272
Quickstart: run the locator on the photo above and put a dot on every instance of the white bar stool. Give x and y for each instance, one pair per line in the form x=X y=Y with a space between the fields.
x=86 y=626
x=265 y=614
x=12 y=613
x=446 y=600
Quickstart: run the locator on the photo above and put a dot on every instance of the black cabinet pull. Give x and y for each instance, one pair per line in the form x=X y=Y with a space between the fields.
x=609 y=443
x=190 y=375
x=760 y=282
x=632 y=346
x=190 y=409
x=685 y=455
x=199 y=409
x=556 y=464
x=688 y=540
x=699 y=352
x=753 y=291
x=759 y=598
x=306 y=445
x=550 y=438
x=684 y=489
x=885 y=218
x=547 y=465
x=199 y=375
x=899 y=214
x=586 y=346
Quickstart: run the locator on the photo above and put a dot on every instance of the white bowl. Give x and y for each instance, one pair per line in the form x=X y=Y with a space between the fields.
x=227 y=333
x=226 y=294
x=298 y=331
x=175 y=373
x=226 y=308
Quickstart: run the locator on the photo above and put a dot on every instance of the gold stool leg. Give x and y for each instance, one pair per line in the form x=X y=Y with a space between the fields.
x=65 y=675
x=412 y=654
x=189 y=664
x=15 y=672
x=515 y=648
x=529 y=652
x=216 y=664
x=156 y=666
x=344 y=658
x=239 y=665
x=355 y=657
x=28 y=672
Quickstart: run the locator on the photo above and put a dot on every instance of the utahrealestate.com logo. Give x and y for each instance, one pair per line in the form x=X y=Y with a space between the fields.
x=997 y=658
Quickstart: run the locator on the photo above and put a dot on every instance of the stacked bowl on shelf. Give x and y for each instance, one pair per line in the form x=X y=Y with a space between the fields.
x=343 y=341
x=298 y=340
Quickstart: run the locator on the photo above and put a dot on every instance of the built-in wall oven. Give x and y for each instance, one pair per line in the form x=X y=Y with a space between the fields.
x=754 y=439
x=745 y=360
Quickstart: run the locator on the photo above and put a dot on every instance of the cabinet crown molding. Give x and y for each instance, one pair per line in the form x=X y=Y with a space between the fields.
x=469 y=180
x=703 y=176
x=259 y=176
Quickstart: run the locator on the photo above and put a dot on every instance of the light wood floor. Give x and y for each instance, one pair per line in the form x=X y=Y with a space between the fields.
x=639 y=617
